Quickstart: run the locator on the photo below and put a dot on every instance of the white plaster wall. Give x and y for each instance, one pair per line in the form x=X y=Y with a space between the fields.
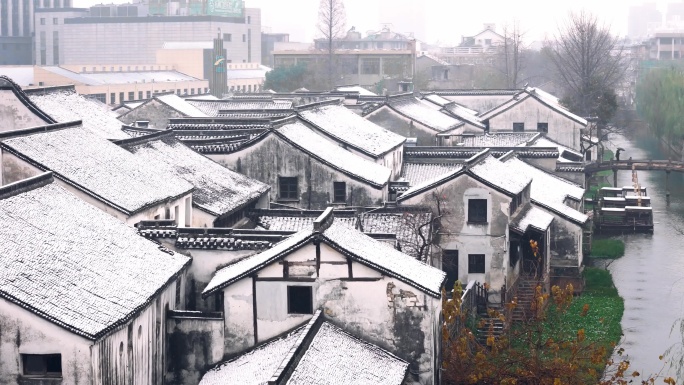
x=530 y=111
x=238 y=314
x=23 y=332
x=135 y=352
x=14 y=115
x=201 y=218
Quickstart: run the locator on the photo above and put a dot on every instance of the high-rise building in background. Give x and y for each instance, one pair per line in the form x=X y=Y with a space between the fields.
x=133 y=33
x=17 y=28
x=642 y=20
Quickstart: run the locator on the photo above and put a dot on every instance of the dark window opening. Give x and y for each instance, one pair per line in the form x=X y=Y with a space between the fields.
x=339 y=192
x=227 y=37
x=542 y=127
x=476 y=263
x=450 y=267
x=288 y=188
x=299 y=300
x=49 y=365
x=514 y=252
x=131 y=95
x=112 y=98
x=518 y=127
x=167 y=213
x=477 y=210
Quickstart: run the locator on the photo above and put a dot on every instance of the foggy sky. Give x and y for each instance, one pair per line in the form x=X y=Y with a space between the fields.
x=436 y=20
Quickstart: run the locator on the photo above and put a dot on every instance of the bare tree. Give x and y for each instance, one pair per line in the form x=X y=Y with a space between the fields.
x=512 y=55
x=589 y=65
x=331 y=23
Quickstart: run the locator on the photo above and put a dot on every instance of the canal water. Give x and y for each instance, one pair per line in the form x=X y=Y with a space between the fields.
x=650 y=276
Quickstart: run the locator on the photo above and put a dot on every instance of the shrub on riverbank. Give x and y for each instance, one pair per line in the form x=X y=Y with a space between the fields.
x=607 y=248
x=605 y=307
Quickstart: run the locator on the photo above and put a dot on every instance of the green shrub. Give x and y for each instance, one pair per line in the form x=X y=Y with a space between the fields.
x=607 y=248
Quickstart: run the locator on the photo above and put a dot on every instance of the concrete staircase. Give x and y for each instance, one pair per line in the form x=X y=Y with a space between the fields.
x=487 y=325
x=525 y=294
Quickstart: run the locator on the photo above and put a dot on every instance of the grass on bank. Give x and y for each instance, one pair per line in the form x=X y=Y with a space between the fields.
x=601 y=323
x=607 y=248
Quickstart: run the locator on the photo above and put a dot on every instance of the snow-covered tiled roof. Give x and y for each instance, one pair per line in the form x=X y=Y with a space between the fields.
x=181 y=105
x=218 y=190
x=562 y=150
x=65 y=105
x=99 y=167
x=345 y=126
x=315 y=353
x=418 y=173
x=335 y=156
x=435 y=179
x=75 y=265
x=423 y=113
x=534 y=217
x=549 y=190
x=231 y=273
x=507 y=139
x=405 y=225
x=255 y=367
x=494 y=172
x=348 y=241
x=356 y=88
x=212 y=108
x=438 y=100
x=386 y=259
x=465 y=114
x=335 y=357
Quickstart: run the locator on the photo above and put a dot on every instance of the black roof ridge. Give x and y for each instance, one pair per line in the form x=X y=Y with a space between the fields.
x=295 y=354
x=134 y=141
x=40 y=129
x=23 y=97
x=300 y=212
x=24 y=185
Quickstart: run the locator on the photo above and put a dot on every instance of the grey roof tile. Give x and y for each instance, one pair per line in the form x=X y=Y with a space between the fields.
x=346 y=126
x=76 y=265
x=66 y=105
x=334 y=155
x=218 y=190
x=99 y=167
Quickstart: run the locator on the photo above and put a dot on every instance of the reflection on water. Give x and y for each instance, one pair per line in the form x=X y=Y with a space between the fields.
x=650 y=277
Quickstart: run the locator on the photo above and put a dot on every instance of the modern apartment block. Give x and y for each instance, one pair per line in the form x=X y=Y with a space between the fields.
x=113 y=36
x=17 y=27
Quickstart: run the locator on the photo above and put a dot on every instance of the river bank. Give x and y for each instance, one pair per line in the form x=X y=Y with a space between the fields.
x=650 y=275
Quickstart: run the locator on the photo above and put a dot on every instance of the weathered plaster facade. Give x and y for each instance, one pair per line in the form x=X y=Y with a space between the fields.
x=195 y=344
x=380 y=309
x=14 y=114
x=490 y=238
x=272 y=157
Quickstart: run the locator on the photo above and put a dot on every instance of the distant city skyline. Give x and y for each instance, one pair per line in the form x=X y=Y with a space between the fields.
x=443 y=21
